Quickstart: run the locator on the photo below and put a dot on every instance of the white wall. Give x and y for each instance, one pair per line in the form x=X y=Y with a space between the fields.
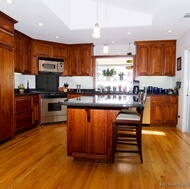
x=183 y=44
x=22 y=79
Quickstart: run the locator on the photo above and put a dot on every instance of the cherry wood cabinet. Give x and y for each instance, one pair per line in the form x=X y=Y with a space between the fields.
x=155 y=58
x=6 y=76
x=79 y=60
x=47 y=50
x=89 y=134
x=164 y=109
x=22 y=53
x=27 y=112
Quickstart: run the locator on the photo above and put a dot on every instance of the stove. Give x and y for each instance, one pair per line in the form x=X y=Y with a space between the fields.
x=51 y=110
x=53 y=94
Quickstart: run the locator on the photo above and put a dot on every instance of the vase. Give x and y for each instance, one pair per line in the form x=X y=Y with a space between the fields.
x=121 y=78
x=108 y=78
x=21 y=91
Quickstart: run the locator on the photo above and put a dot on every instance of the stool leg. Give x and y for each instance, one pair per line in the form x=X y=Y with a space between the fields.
x=139 y=141
x=114 y=140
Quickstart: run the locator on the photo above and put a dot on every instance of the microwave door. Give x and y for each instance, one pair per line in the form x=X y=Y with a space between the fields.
x=50 y=67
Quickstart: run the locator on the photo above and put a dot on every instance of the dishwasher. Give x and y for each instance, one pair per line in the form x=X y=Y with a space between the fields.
x=147 y=109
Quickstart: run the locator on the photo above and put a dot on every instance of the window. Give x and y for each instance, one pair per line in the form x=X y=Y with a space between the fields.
x=121 y=81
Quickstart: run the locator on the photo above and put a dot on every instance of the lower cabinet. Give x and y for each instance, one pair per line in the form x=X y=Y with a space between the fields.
x=164 y=110
x=27 y=112
x=90 y=134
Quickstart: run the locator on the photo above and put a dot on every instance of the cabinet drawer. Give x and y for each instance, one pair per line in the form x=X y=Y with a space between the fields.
x=23 y=104
x=160 y=98
x=23 y=120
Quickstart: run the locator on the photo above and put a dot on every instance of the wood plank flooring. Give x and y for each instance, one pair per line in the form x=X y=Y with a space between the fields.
x=37 y=159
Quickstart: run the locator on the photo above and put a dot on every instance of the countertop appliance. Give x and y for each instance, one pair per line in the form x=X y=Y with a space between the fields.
x=51 y=66
x=135 y=89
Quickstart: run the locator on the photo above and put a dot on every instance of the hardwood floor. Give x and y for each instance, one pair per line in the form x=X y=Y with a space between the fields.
x=37 y=159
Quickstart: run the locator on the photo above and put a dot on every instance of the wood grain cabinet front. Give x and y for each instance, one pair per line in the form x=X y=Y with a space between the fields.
x=164 y=110
x=6 y=76
x=90 y=134
x=155 y=58
x=26 y=112
x=22 y=53
x=80 y=60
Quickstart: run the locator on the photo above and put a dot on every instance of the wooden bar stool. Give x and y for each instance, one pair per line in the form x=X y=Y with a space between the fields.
x=127 y=130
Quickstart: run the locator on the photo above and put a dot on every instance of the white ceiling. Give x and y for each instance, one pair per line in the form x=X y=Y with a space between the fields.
x=73 y=20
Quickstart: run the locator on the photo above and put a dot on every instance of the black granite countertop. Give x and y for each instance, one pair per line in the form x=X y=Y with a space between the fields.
x=103 y=101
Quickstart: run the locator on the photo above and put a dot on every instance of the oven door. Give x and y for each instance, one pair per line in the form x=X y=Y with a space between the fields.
x=52 y=111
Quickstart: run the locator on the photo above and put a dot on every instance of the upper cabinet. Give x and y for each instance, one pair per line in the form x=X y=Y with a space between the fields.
x=47 y=50
x=155 y=58
x=22 y=53
x=79 y=60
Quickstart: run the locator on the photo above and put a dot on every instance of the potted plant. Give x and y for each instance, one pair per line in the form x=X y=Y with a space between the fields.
x=21 y=88
x=121 y=74
x=108 y=73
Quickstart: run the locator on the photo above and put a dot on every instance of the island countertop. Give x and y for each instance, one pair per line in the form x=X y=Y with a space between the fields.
x=103 y=101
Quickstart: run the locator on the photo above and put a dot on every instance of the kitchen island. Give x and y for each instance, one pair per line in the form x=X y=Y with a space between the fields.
x=89 y=125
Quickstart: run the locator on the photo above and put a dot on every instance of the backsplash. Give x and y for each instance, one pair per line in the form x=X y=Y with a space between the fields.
x=156 y=81
x=22 y=79
x=86 y=82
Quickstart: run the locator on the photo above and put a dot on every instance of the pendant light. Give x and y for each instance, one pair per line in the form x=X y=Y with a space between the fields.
x=106 y=48
x=96 y=30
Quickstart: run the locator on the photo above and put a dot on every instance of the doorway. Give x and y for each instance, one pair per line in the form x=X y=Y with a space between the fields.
x=188 y=94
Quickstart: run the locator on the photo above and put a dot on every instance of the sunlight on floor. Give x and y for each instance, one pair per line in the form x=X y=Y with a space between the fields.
x=153 y=132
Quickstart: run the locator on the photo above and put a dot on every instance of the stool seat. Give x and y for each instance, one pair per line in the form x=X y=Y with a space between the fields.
x=125 y=116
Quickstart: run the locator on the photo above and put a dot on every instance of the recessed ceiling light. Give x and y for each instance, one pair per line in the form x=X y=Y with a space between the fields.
x=40 y=24
x=57 y=37
x=128 y=33
x=9 y=1
x=113 y=42
x=169 y=31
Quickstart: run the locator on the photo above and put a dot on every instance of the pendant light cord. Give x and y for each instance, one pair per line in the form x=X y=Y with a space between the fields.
x=97 y=11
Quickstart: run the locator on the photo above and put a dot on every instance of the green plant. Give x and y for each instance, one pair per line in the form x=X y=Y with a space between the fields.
x=109 y=72
x=21 y=87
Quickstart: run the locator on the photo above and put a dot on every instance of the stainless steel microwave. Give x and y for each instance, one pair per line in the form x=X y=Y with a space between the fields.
x=51 y=66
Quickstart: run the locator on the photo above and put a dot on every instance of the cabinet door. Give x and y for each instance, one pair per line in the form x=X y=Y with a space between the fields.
x=74 y=58
x=59 y=51
x=86 y=60
x=169 y=59
x=157 y=113
x=26 y=55
x=77 y=137
x=170 y=113
x=36 y=110
x=157 y=59
x=41 y=49
x=6 y=93
x=143 y=60
x=18 y=62
x=98 y=133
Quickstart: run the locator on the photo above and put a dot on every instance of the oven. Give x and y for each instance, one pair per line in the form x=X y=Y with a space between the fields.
x=51 y=110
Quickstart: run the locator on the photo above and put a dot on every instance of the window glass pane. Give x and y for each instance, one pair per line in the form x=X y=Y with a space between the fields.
x=121 y=81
